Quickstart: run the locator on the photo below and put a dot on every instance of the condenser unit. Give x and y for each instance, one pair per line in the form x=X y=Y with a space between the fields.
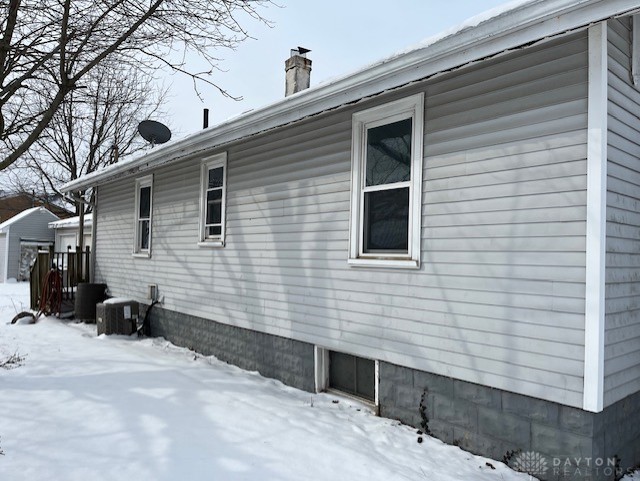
x=120 y=317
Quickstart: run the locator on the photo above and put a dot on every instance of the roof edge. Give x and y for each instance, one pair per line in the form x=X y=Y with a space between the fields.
x=25 y=213
x=521 y=25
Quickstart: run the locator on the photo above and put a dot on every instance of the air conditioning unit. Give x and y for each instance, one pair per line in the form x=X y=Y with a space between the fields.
x=117 y=317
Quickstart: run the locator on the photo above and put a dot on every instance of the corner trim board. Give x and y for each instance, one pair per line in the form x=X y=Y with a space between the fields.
x=593 y=390
x=635 y=51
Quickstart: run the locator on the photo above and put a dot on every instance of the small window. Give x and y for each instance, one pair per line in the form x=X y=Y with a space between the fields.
x=213 y=200
x=352 y=375
x=143 y=216
x=386 y=184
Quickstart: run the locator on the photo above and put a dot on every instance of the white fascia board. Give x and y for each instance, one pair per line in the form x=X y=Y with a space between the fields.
x=524 y=24
x=593 y=390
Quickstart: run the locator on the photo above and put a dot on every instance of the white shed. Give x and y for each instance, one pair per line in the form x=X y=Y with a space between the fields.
x=20 y=238
x=67 y=233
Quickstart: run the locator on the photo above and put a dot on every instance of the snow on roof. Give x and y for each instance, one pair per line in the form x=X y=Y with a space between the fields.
x=22 y=215
x=452 y=31
x=71 y=222
x=500 y=29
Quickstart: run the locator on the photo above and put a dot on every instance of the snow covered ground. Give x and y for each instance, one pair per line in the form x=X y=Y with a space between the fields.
x=80 y=407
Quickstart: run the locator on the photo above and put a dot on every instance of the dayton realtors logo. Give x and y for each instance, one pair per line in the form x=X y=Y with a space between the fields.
x=538 y=465
x=530 y=462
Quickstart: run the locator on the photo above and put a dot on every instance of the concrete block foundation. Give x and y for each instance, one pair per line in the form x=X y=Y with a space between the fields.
x=549 y=440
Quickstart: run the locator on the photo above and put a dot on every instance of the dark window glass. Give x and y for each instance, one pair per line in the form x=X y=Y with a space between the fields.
x=389 y=153
x=214 y=231
x=341 y=372
x=214 y=195
x=386 y=220
x=215 y=178
x=214 y=212
x=144 y=234
x=351 y=374
x=365 y=378
x=145 y=202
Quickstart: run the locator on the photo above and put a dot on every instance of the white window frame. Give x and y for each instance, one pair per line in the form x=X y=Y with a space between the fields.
x=321 y=375
x=141 y=183
x=635 y=51
x=213 y=162
x=409 y=107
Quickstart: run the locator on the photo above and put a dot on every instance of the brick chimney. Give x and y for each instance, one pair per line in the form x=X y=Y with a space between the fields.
x=298 y=71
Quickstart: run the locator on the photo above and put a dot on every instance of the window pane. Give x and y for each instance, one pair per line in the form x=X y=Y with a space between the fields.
x=365 y=378
x=215 y=177
x=352 y=374
x=386 y=220
x=145 y=202
x=214 y=212
x=389 y=153
x=215 y=194
x=214 y=231
x=143 y=234
x=342 y=372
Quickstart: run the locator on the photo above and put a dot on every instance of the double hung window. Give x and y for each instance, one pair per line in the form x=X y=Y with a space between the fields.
x=142 y=245
x=386 y=184
x=213 y=200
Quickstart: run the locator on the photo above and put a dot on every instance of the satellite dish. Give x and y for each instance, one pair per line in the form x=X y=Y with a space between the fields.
x=154 y=132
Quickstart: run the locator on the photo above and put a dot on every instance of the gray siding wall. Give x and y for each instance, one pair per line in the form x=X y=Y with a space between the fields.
x=499 y=299
x=33 y=227
x=13 y=255
x=622 y=318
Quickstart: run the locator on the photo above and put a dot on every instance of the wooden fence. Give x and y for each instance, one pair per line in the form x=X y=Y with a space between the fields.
x=74 y=267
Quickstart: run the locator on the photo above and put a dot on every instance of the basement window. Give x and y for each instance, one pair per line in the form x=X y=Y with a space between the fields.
x=386 y=178
x=352 y=375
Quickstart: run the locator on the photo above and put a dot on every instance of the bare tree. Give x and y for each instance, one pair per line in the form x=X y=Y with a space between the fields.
x=93 y=128
x=50 y=46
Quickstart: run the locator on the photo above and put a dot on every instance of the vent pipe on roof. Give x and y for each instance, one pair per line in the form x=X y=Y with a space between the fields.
x=205 y=119
x=298 y=71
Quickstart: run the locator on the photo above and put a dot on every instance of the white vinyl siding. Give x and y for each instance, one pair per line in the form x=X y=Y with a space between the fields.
x=499 y=297
x=622 y=291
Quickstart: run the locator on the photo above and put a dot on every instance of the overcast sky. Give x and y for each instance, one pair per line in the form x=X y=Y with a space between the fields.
x=343 y=35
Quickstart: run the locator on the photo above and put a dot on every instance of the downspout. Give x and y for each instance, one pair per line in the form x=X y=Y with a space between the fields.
x=94 y=224
x=81 y=228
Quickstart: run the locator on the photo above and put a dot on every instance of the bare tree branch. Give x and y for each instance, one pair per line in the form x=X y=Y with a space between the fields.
x=51 y=46
x=91 y=124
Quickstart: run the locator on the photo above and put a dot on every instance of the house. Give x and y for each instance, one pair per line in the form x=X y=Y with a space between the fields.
x=20 y=238
x=452 y=233
x=12 y=204
x=67 y=233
